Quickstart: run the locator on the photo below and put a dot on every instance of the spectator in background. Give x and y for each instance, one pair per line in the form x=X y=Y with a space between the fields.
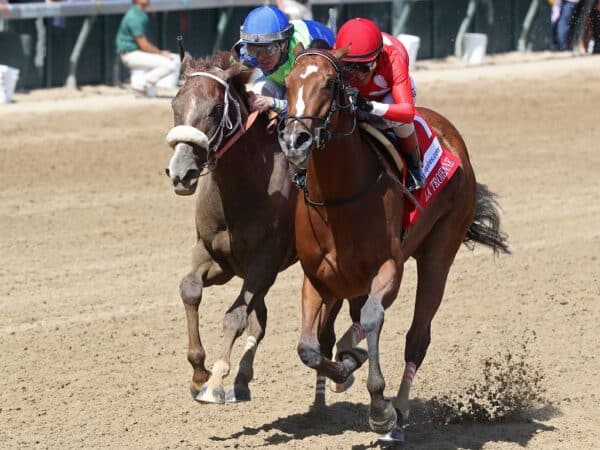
x=137 y=52
x=565 y=20
x=295 y=9
x=591 y=35
x=554 y=15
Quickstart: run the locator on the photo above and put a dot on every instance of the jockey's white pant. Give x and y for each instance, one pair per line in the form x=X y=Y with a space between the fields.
x=156 y=66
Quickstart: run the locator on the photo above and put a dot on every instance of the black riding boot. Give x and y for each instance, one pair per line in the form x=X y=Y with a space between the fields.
x=416 y=178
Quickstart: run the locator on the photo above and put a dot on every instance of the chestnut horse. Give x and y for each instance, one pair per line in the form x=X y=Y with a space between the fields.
x=244 y=211
x=349 y=228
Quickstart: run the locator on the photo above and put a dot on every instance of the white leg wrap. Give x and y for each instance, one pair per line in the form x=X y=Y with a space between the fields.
x=401 y=400
x=250 y=344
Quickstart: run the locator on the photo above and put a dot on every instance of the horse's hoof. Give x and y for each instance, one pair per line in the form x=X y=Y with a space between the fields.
x=338 y=388
x=357 y=354
x=238 y=394
x=194 y=391
x=386 y=424
x=210 y=395
x=396 y=436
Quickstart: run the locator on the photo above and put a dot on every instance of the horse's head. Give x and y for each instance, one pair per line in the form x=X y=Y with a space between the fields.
x=315 y=92
x=207 y=110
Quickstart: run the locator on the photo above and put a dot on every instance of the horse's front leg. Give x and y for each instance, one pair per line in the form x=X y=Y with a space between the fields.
x=351 y=338
x=328 y=314
x=257 y=326
x=309 y=348
x=204 y=271
x=384 y=288
x=259 y=278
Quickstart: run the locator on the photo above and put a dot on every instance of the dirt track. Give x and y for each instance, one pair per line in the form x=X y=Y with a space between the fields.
x=94 y=243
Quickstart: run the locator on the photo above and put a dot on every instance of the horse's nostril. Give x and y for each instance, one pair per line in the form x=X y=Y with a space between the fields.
x=168 y=172
x=302 y=139
x=190 y=176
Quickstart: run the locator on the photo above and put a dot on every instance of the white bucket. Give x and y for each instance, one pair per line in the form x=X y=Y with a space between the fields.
x=474 y=47
x=411 y=43
x=8 y=82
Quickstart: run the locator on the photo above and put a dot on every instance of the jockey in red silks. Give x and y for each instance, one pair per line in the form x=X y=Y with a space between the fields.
x=377 y=65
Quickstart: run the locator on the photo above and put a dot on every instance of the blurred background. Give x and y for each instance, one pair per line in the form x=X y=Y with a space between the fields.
x=72 y=41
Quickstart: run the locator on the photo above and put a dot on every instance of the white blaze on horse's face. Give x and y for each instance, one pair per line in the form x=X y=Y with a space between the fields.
x=296 y=140
x=310 y=69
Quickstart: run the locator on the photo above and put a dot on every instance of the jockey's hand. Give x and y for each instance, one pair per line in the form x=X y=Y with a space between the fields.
x=362 y=104
x=261 y=103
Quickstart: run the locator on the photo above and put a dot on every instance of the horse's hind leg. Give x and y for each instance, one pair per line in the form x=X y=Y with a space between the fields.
x=204 y=272
x=434 y=259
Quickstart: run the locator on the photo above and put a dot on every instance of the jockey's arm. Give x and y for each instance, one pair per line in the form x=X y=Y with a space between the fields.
x=403 y=108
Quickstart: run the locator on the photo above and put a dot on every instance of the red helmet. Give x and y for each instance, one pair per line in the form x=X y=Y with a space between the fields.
x=363 y=37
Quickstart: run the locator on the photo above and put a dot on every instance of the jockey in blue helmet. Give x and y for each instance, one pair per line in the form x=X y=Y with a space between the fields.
x=267 y=41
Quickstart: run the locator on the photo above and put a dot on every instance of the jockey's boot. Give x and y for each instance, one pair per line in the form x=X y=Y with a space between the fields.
x=409 y=146
x=416 y=178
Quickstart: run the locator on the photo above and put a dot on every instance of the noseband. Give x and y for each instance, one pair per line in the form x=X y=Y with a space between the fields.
x=322 y=134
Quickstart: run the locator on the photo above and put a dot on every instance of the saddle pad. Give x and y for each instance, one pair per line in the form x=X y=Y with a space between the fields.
x=439 y=165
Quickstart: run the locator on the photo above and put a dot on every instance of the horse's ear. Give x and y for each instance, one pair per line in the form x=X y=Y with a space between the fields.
x=298 y=48
x=187 y=63
x=341 y=52
x=232 y=71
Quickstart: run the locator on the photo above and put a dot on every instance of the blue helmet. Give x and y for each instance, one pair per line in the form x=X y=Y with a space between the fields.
x=264 y=25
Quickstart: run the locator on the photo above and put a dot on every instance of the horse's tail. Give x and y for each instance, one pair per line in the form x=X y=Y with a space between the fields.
x=485 y=228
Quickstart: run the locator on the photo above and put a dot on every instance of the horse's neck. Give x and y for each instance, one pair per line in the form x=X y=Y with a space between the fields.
x=246 y=167
x=344 y=167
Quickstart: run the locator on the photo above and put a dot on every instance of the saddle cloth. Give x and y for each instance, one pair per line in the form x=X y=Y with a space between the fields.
x=439 y=165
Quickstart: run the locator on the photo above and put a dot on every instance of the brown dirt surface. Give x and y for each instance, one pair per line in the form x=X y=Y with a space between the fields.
x=94 y=242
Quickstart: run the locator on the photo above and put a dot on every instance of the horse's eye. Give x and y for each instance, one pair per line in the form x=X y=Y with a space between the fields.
x=330 y=84
x=217 y=111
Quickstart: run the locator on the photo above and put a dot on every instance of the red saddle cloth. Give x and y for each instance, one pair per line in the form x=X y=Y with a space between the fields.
x=438 y=166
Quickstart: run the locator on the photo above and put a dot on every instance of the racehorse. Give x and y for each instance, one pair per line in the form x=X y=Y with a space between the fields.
x=349 y=229
x=244 y=211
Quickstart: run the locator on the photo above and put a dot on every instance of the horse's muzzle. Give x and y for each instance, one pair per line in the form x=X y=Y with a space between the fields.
x=296 y=145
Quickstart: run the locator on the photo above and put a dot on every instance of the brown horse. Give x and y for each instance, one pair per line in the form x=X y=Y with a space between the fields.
x=244 y=212
x=349 y=230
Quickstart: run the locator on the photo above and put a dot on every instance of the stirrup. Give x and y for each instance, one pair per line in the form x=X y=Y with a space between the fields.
x=414 y=182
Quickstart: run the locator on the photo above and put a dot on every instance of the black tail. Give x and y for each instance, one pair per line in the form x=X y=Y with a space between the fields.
x=485 y=228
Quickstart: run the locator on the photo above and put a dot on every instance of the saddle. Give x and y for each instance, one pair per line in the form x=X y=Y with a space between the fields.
x=385 y=149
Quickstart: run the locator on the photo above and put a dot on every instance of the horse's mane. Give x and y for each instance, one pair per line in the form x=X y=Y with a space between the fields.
x=225 y=61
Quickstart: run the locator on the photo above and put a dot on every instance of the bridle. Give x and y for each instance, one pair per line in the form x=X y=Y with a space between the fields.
x=225 y=128
x=321 y=134
x=228 y=130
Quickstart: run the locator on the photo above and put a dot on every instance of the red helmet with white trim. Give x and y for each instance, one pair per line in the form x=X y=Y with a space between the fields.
x=363 y=37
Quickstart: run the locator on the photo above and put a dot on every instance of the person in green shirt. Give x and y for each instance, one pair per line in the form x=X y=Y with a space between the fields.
x=267 y=41
x=138 y=53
